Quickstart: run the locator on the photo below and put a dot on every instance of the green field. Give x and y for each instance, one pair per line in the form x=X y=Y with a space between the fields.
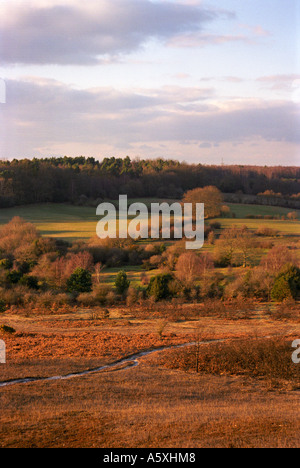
x=67 y=222
x=243 y=210
x=72 y=223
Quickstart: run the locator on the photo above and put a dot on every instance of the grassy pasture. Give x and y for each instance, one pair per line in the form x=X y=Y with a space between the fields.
x=73 y=223
x=283 y=226
x=67 y=222
x=62 y=221
x=157 y=404
x=242 y=210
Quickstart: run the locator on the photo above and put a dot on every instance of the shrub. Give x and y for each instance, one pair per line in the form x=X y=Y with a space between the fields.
x=45 y=299
x=111 y=298
x=122 y=283
x=211 y=286
x=292 y=216
x=7 y=329
x=13 y=277
x=287 y=284
x=80 y=281
x=2 y=306
x=266 y=232
x=103 y=294
x=159 y=286
x=254 y=284
x=14 y=296
x=62 y=299
x=87 y=300
x=6 y=263
x=30 y=281
x=132 y=296
x=286 y=310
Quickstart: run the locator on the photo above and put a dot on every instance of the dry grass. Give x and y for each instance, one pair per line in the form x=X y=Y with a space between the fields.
x=151 y=405
x=269 y=359
x=148 y=407
x=48 y=354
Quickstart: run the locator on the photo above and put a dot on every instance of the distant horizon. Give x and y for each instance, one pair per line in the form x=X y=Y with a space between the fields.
x=182 y=161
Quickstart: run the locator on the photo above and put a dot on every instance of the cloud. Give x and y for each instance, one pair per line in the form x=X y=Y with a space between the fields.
x=86 y=33
x=192 y=39
x=281 y=82
x=256 y=30
x=47 y=116
x=197 y=39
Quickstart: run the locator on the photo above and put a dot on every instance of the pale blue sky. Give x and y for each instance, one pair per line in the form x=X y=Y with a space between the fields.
x=199 y=81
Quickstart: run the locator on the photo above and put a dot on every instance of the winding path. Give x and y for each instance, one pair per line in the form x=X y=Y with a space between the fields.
x=131 y=361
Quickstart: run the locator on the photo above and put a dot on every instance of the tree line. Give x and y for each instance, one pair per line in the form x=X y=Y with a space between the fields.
x=87 y=180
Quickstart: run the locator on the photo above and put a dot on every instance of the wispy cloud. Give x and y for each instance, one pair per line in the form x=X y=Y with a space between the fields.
x=202 y=40
x=250 y=35
x=280 y=82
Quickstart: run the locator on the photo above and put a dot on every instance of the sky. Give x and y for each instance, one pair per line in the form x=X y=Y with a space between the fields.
x=211 y=82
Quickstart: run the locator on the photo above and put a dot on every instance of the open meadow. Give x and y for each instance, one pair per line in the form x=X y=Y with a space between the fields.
x=162 y=402
x=70 y=222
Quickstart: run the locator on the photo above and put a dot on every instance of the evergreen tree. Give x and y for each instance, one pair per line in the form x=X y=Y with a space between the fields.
x=287 y=284
x=80 y=281
x=122 y=283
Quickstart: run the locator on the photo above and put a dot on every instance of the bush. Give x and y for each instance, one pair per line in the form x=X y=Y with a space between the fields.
x=87 y=300
x=104 y=295
x=159 y=286
x=13 y=277
x=254 y=284
x=287 y=284
x=80 y=281
x=266 y=232
x=122 y=283
x=7 y=329
x=30 y=281
x=132 y=296
x=14 y=296
x=6 y=263
x=2 y=306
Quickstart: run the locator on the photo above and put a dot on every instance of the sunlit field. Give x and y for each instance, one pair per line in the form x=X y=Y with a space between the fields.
x=159 y=403
x=73 y=223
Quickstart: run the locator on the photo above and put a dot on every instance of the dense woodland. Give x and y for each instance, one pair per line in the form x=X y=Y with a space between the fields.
x=83 y=180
